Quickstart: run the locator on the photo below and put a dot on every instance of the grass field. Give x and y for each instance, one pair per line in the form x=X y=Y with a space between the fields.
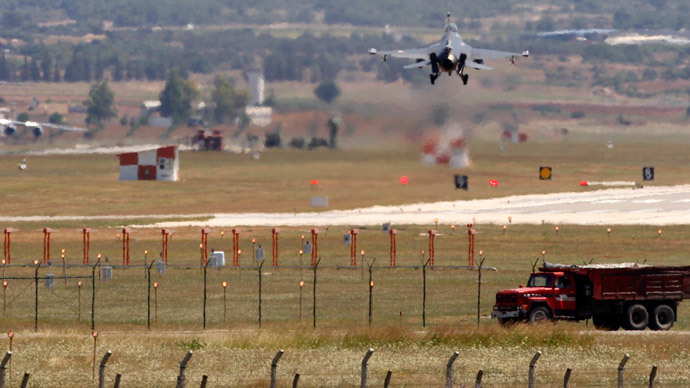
x=279 y=181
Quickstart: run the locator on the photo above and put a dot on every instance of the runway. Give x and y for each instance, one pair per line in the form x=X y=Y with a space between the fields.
x=652 y=205
x=661 y=205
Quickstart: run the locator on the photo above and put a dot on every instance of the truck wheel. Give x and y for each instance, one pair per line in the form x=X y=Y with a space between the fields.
x=507 y=321
x=606 y=322
x=539 y=314
x=636 y=317
x=662 y=318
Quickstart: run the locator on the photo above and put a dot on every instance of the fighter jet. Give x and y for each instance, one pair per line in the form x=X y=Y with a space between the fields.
x=9 y=127
x=448 y=55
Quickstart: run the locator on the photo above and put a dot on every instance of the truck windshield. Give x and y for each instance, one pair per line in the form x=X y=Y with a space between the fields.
x=540 y=281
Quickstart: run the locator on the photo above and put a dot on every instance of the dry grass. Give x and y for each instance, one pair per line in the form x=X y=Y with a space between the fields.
x=238 y=353
x=241 y=357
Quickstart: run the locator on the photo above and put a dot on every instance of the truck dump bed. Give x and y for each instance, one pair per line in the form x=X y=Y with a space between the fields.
x=631 y=281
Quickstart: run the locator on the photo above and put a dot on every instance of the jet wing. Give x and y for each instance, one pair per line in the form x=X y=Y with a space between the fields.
x=419 y=53
x=63 y=127
x=492 y=54
x=5 y=122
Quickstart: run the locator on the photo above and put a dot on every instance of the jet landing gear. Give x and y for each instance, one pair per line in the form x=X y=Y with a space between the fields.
x=461 y=68
x=433 y=77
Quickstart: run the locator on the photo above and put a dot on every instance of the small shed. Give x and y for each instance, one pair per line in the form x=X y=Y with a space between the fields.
x=161 y=164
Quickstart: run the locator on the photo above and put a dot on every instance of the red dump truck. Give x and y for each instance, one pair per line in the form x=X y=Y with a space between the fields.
x=631 y=296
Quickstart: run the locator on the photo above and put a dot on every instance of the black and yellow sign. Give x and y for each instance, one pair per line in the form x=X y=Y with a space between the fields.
x=544 y=173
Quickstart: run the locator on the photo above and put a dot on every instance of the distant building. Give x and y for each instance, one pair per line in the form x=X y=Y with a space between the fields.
x=149 y=107
x=259 y=115
x=151 y=110
x=255 y=83
x=76 y=109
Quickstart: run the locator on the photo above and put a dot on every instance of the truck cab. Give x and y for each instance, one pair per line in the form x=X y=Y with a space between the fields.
x=548 y=295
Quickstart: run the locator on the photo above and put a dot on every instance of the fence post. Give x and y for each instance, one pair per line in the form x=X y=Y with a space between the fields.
x=371 y=289
x=183 y=365
x=274 y=367
x=204 y=380
x=148 y=296
x=295 y=381
x=652 y=376
x=3 y=367
x=118 y=377
x=101 y=369
x=532 y=365
x=387 y=381
x=566 y=378
x=365 y=360
x=314 y=312
x=38 y=265
x=478 y=382
x=449 y=370
x=424 y=291
x=479 y=288
x=93 y=292
x=621 y=368
x=259 y=269
x=205 y=268
x=25 y=380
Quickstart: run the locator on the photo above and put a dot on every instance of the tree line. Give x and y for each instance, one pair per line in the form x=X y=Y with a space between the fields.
x=177 y=98
x=146 y=55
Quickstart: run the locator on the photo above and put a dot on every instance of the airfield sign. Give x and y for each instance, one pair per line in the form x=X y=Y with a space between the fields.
x=461 y=182
x=648 y=173
x=544 y=173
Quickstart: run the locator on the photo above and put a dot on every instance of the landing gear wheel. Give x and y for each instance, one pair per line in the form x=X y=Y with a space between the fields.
x=432 y=78
x=539 y=315
x=662 y=318
x=465 y=77
x=636 y=317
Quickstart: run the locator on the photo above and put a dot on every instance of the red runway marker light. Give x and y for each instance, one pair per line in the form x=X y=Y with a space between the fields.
x=314 y=182
x=584 y=183
x=493 y=182
x=404 y=180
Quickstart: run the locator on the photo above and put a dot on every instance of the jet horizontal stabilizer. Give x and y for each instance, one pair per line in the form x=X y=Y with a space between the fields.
x=417 y=65
x=477 y=66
